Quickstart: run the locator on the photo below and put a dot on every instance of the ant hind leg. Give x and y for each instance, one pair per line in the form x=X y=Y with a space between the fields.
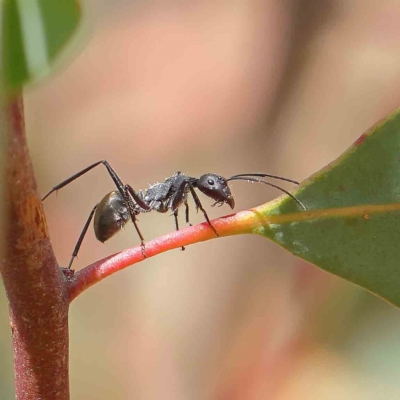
x=81 y=237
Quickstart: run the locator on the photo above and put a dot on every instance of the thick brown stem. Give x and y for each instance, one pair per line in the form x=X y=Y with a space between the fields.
x=35 y=287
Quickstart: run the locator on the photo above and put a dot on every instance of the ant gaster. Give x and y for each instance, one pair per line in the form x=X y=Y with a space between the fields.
x=124 y=204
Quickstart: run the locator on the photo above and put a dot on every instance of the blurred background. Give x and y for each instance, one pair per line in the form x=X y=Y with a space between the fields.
x=280 y=86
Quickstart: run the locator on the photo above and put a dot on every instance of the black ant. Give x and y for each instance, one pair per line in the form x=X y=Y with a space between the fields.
x=124 y=204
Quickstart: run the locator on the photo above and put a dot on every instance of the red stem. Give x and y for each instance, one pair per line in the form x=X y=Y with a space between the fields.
x=226 y=226
x=35 y=287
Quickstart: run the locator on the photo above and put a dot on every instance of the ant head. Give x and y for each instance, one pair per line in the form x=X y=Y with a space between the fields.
x=216 y=187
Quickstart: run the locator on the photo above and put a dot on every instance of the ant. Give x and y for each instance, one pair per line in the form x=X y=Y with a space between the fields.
x=124 y=204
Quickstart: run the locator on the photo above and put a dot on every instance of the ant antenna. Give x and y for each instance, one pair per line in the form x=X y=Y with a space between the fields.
x=249 y=178
x=265 y=176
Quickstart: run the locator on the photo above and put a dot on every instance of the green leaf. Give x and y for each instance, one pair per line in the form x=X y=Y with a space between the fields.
x=352 y=224
x=32 y=34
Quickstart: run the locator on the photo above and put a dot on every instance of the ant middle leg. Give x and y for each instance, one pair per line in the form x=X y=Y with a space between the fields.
x=187 y=212
x=177 y=224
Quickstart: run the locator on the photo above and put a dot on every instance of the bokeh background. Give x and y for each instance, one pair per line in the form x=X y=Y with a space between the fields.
x=281 y=86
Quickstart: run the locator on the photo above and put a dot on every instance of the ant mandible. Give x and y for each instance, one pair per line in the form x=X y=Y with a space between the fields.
x=124 y=204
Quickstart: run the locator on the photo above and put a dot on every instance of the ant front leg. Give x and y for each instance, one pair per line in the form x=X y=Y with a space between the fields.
x=179 y=194
x=199 y=205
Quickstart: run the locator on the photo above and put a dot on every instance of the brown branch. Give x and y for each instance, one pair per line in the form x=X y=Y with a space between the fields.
x=35 y=287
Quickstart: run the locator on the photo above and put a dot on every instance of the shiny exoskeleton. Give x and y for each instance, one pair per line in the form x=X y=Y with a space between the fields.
x=124 y=204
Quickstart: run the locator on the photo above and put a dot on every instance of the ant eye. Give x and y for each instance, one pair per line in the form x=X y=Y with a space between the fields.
x=210 y=182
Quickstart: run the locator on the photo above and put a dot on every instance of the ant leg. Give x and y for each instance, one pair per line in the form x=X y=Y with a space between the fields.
x=118 y=183
x=133 y=211
x=187 y=213
x=131 y=194
x=140 y=202
x=117 y=180
x=198 y=205
x=177 y=224
x=178 y=198
x=81 y=237
x=70 y=179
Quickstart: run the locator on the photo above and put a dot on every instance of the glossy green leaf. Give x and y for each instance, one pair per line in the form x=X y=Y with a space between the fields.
x=32 y=34
x=352 y=224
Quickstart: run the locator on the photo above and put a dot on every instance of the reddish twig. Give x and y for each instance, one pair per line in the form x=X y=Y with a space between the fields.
x=226 y=226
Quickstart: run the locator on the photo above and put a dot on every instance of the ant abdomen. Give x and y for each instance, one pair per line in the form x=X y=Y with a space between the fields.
x=110 y=217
